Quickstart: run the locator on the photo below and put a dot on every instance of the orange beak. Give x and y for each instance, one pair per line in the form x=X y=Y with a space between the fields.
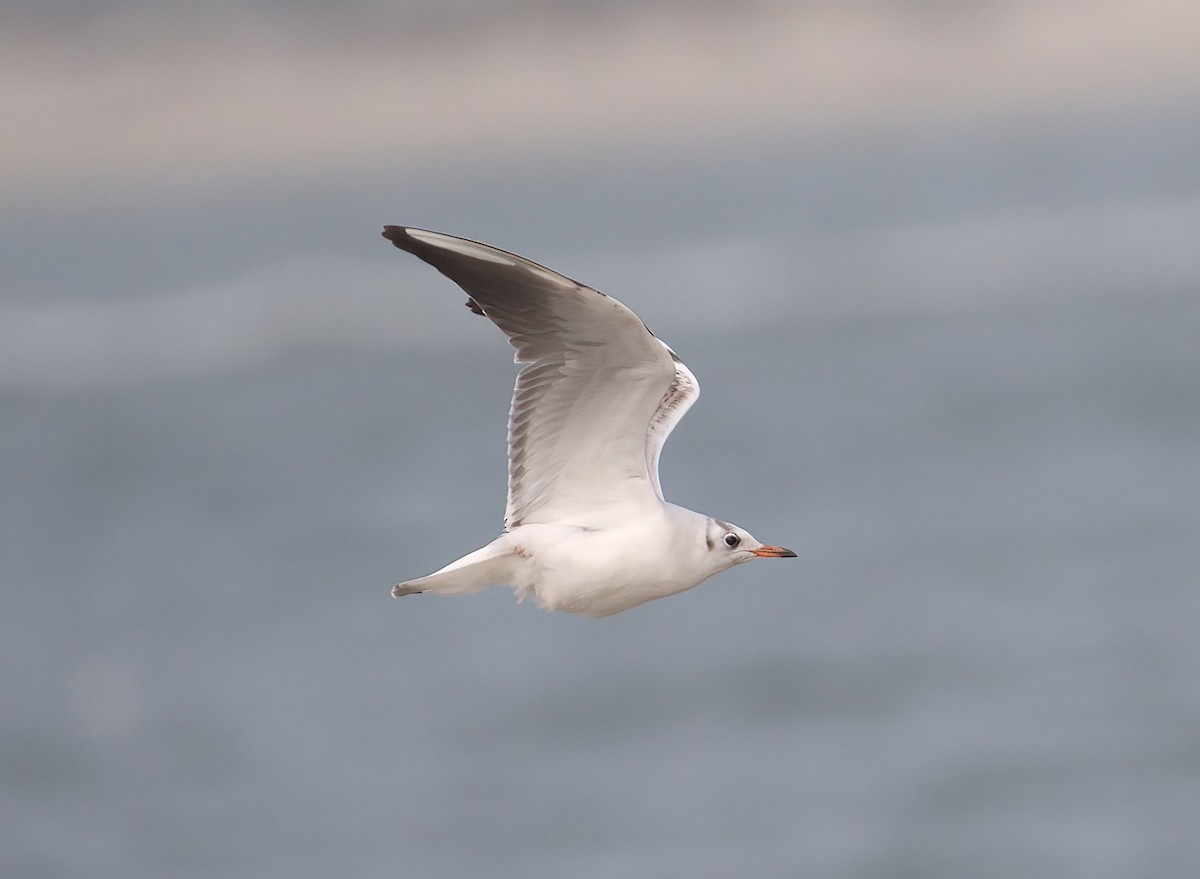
x=774 y=552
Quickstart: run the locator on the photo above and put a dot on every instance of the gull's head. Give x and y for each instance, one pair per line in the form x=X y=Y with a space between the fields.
x=728 y=545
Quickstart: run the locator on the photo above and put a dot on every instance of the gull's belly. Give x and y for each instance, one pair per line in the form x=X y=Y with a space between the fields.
x=596 y=572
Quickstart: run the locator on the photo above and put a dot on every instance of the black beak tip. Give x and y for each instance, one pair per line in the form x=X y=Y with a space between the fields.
x=788 y=554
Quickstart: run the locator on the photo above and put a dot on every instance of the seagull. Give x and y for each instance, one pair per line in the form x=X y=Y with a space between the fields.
x=586 y=528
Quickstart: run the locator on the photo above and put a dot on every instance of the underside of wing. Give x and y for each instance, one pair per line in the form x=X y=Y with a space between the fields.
x=683 y=392
x=598 y=395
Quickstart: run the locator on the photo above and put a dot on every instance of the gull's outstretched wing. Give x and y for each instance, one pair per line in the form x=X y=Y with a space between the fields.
x=597 y=398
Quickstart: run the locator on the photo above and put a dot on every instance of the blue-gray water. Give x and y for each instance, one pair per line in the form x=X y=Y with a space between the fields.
x=972 y=407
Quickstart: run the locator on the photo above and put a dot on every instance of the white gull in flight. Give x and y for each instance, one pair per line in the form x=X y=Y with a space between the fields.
x=586 y=528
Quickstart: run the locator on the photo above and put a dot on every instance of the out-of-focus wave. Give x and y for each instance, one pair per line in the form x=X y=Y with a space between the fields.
x=199 y=330
x=330 y=300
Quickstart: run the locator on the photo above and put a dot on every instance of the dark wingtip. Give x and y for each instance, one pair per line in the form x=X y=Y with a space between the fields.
x=474 y=306
x=395 y=234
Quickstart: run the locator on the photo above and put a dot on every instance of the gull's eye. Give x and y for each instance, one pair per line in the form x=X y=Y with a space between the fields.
x=732 y=540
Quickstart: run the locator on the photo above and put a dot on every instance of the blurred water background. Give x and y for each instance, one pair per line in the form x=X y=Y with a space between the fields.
x=936 y=267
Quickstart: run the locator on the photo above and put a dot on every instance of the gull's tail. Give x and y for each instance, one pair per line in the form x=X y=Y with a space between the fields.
x=488 y=566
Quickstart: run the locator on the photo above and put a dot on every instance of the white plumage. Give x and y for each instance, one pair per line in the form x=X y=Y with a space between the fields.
x=587 y=529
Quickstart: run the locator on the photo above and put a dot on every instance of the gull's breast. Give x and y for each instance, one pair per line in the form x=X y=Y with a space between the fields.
x=597 y=572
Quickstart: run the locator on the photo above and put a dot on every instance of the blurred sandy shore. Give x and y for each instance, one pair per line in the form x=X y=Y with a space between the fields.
x=148 y=94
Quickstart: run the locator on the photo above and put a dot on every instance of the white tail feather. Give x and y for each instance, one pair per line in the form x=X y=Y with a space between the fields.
x=490 y=565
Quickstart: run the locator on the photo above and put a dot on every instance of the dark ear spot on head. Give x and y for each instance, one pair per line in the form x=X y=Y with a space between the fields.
x=708 y=539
